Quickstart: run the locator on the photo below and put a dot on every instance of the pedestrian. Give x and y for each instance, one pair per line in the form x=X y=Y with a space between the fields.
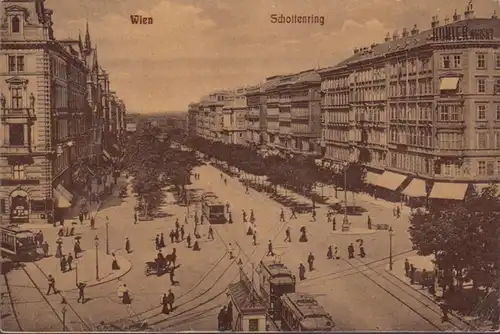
x=85 y=212
x=329 y=253
x=287 y=235
x=114 y=263
x=77 y=249
x=196 y=220
x=254 y=237
x=227 y=207
x=282 y=215
x=229 y=316
x=177 y=235
x=221 y=176
x=157 y=242
x=40 y=238
x=310 y=261
x=336 y=253
x=177 y=225
x=202 y=219
x=362 y=250
x=186 y=220
x=173 y=256
x=230 y=251
x=244 y=216
x=70 y=260
x=369 y=222
x=252 y=216
x=221 y=318
x=225 y=181
x=270 y=249
x=445 y=309
x=127 y=245
x=412 y=273
x=63 y=262
x=81 y=292
x=161 y=243
x=334 y=224
x=247 y=190
x=313 y=215
x=302 y=272
x=230 y=218
x=172 y=236
x=350 y=251
x=80 y=217
x=293 y=215
x=164 y=301
x=172 y=275
x=303 y=236
x=188 y=240
x=182 y=232
x=45 y=249
x=196 y=246
x=407 y=268
x=170 y=300
x=394 y=211
x=92 y=222
x=59 y=251
x=210 y=233
x=135 y=217
x=126 y=295
x=398 y=212
x=52 y=284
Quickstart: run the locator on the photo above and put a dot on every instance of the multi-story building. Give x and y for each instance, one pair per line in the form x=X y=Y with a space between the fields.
x=193 y=117
x=420 y=110
x=256 y=112
x=306 y=114
x=278 y=123
x=234 y=112
x=47 y=123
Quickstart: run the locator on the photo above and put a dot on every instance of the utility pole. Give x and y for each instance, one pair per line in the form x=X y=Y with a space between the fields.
x=390 y=248
x=96 y=242
x=107 y=235
x=345 y=222
x=64 y=318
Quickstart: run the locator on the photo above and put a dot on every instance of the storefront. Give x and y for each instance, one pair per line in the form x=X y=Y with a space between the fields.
x=19 y=207
x=389 y=185
x=416 y=193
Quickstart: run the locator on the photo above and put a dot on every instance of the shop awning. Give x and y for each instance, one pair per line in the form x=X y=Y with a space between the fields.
x=106 y=154
x=63 y=197
x=455 y=191
x=448 y=83
x=390 y=180
x=371 y=178
x=478 y=187
x=416 y=188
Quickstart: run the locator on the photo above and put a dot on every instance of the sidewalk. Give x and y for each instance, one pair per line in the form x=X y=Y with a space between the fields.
x=420 y=263
x=86 y=272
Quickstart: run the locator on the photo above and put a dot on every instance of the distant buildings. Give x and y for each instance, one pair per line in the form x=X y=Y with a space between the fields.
x=420 y=110
x=61 y=124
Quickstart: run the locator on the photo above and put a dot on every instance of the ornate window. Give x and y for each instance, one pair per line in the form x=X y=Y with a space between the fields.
x=18 y=172
x=16 y=92
x=16 y=24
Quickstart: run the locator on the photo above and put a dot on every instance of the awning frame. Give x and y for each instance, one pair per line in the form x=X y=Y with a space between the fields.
x=416 y=188
x=448 y=83
x=457 y=190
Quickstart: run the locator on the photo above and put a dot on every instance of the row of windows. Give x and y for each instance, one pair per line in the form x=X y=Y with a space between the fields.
x=376 y=93
x=336 y=99
x=450 y=140
x=15 y=64
x=482 y=112
x=371 y=114
x=412 y=112
x=337 y=153
x=335 y=83
x=410 y=88
x=485 y=141
x=337 y=116
x=376 y=137
x=411 y=136
x=337 y=135
x=300 y=128
x=483 y=85
x=411 y=66
x=377 y=73
x=412 y=162
x=59 y=68
x=304 y=111
x=377 y=158
x=487 y=168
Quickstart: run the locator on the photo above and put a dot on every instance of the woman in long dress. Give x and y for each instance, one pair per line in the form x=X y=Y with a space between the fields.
x=114 y=264
x=59 y=251
x=126 y=295
x=164 y=302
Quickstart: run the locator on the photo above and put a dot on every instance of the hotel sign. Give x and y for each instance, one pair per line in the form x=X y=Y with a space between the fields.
x=462 y=32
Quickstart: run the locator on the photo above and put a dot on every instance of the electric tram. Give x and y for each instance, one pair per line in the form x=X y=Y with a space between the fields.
x=17 y=243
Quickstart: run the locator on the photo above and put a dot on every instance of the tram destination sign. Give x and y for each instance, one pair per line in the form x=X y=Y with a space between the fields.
x=461 y=32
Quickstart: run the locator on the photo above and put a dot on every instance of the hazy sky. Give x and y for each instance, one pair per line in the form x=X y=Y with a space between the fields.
x=195 y=46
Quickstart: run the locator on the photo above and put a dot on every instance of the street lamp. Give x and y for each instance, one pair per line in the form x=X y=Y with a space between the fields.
x=391 y=233
x=76 y=271
x=107 y=235
x=64 y=318
x=345 y=221
x=96 y=243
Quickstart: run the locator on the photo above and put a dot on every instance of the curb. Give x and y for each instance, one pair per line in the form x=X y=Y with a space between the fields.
x=125 y=272
x=367 y=232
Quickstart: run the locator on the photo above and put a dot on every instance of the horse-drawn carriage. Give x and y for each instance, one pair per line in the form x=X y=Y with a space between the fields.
x=159 y=266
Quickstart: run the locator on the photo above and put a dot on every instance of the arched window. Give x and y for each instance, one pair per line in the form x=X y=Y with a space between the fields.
x=16 y=25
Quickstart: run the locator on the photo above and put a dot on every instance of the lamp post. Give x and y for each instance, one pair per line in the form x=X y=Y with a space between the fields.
x=76 y=271
x=64 y=318
x=391 y=233
x=107 y=235
x=96 y=243
x=345 y=221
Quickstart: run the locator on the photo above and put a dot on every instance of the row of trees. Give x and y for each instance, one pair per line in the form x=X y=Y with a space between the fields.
x=297 y=173
x=154 y=163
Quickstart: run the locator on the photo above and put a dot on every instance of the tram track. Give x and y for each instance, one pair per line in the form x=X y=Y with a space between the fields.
x=11 y=302
x=411 y=301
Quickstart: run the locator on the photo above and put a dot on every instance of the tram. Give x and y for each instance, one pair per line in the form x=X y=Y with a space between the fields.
x=301 y=312
x=17 y=243
x=275 y=280
x=213 y=210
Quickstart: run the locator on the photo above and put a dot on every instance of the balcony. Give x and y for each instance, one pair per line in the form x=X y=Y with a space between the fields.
x=301 y=117
x=285 y=117
x=15 y=150
x=449 y=153
x=18 y=113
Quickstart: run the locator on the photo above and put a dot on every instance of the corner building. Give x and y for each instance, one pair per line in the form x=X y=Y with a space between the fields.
x=421 y=110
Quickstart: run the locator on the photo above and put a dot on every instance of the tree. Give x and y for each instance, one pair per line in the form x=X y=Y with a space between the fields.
x=463 y=237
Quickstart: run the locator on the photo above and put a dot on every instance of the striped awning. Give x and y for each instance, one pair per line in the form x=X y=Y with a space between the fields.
x=63 y=197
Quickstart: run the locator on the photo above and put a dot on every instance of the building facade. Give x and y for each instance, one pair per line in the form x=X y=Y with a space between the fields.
x=234 y=113
x=47 y=122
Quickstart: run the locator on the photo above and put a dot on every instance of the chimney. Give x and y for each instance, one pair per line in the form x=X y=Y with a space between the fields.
x=494 y=16
x=414 y=30
x=405 y=32
x=387 y=37
x=446 y=20
x=469 y=11
x=456 y=16
x=356 y=51
x=395 y=36
x=435 y=21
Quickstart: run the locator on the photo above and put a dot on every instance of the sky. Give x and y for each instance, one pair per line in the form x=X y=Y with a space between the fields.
x=196 y=46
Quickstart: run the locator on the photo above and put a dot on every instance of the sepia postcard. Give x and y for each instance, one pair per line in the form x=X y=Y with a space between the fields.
x=249 y=165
